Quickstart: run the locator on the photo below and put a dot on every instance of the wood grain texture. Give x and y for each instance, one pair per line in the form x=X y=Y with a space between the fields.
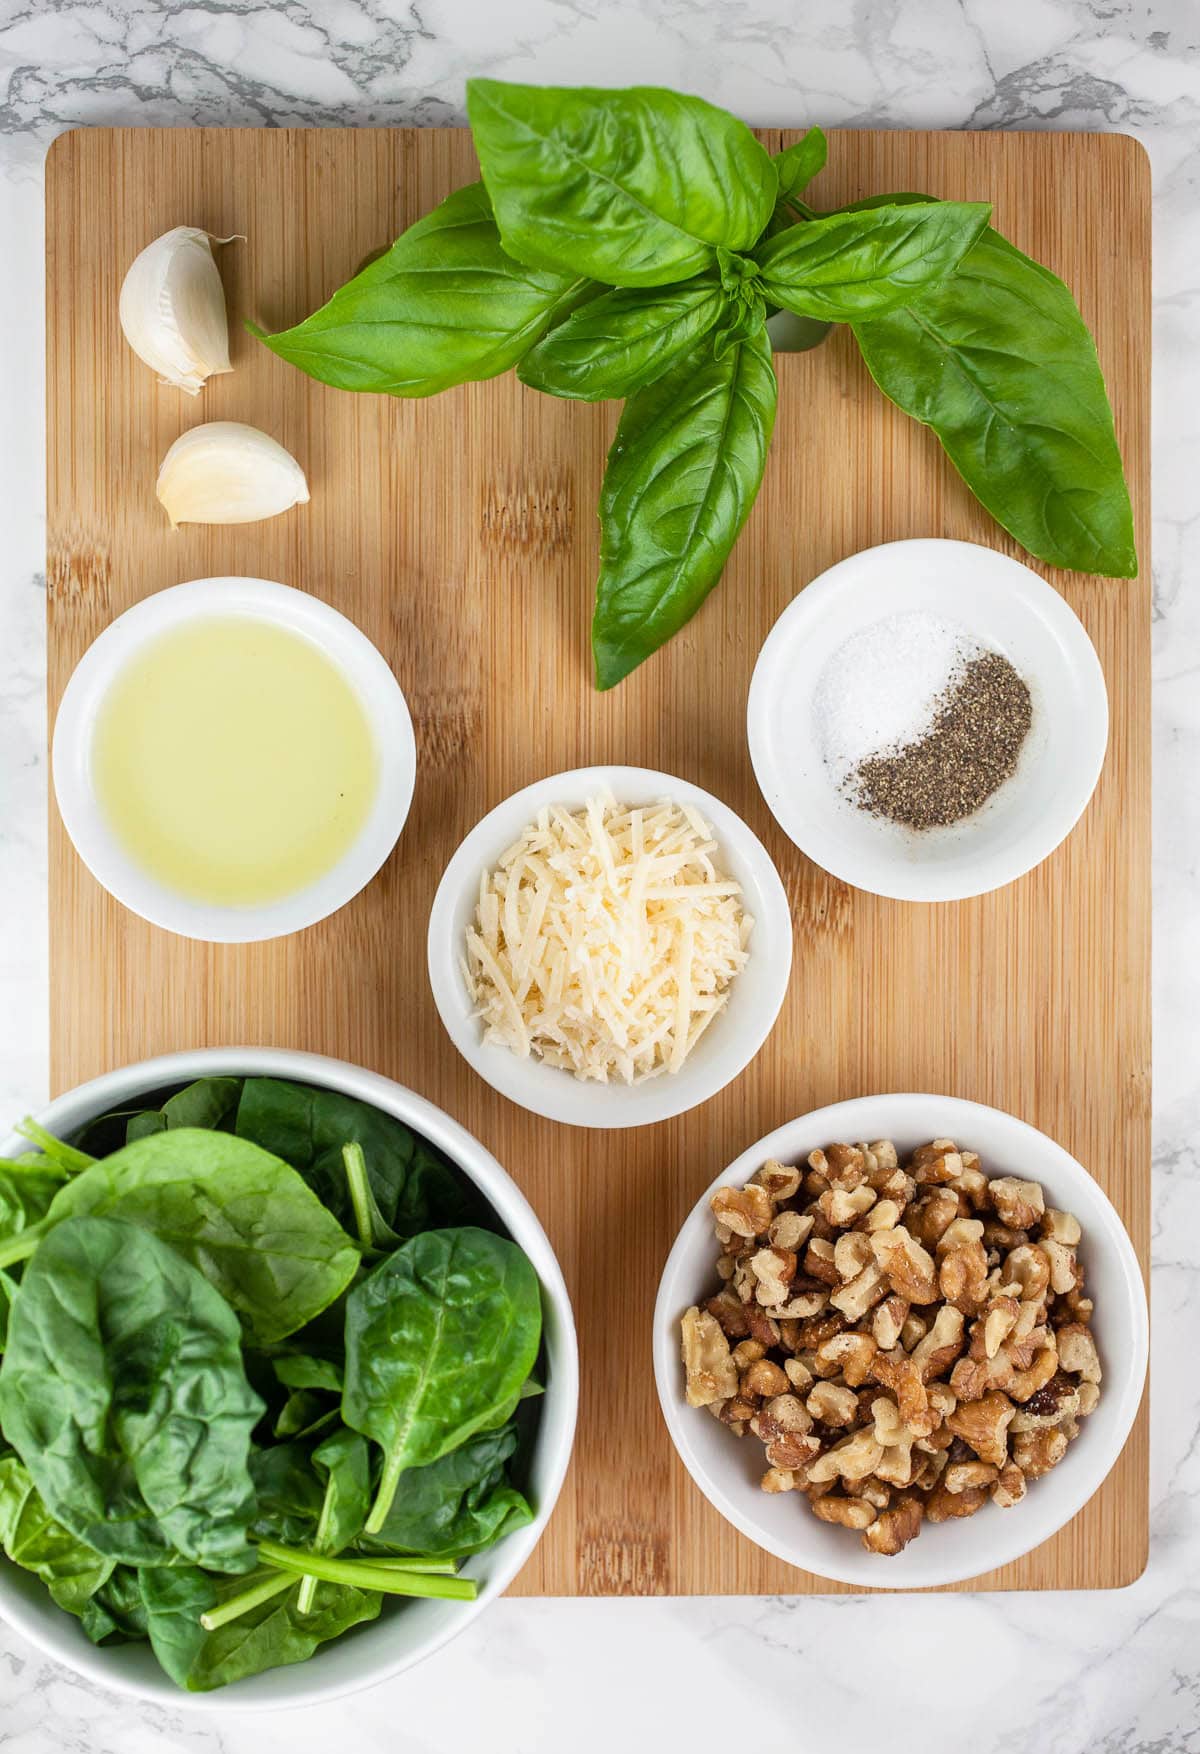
x=460 y=534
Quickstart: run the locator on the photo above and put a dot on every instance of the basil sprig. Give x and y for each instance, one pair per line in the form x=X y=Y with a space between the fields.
x=632 y=244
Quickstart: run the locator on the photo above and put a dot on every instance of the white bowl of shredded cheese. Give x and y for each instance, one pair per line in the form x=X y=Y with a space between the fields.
x=610 y=947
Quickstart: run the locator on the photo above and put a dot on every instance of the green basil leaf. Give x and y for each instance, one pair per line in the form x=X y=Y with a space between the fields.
x=243 y=1217
x=123 y=1391
x=445 y=305
x=853 y=265
x=634 y=187
x=36 y=1541
x=999 y=362
x=682 y=476
x=622 y=341
x=439 y=1339
x=799 y=164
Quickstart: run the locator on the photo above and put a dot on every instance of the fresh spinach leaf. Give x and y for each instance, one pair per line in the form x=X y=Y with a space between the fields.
x=344 y=1463
x=458 y=1505
x=287 y=1493
x=445 y=305
x=304 y=1413
x=33 y=1539
x=116 y=1613
x=25 y=1196
x=8 y=1290
x=682 y=475
x=854 y=265
x=244 y=1218
x=622 y=341
x=799 y=163
x=633 y=187
x=999 y=362
x=414 y=1187
x=123 y=1391
x=267 y=1637
x=439 y=1339
x=301 y=1370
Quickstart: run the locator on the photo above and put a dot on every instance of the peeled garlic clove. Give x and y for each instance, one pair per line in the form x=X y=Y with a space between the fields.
x=226 y=473
x=172 y=309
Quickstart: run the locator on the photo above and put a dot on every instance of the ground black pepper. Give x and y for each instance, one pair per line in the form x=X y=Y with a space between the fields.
x=969 y=751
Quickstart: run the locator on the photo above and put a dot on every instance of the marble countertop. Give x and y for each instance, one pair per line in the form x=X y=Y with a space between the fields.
x=1115 y=1673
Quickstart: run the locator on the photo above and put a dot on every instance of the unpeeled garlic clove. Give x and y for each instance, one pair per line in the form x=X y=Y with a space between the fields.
x=226 y=473
x=172 y=309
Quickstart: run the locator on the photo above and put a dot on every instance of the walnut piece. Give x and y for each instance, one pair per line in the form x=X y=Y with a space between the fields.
x=711 y=1372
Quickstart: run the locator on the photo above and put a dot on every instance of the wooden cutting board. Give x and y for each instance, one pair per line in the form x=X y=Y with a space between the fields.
x=460 y=534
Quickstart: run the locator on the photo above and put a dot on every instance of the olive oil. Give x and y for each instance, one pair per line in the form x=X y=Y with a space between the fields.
x=234 y=761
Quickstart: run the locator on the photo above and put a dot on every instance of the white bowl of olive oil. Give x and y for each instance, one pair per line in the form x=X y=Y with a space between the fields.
x=233 y=759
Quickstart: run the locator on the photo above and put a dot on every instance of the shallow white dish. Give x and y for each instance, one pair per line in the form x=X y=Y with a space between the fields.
x=725 y=1049
x=728 y=1470
x=409 y=1632
x=1003 y=605
x=344 y=645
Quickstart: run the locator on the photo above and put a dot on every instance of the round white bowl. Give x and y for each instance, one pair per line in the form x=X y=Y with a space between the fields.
x=726 y=1047
x=407 y=1632
x=1004 y=606
x=342 y=643
x=728 y=1470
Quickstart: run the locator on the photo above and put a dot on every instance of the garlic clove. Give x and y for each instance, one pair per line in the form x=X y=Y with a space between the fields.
x=172 y=309
x=226 y=473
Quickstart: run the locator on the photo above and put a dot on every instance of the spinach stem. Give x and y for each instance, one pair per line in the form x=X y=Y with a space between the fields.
x=236 y=1606
x=360 y=1192
x=363 y=1574
x=388 y=1481
x=308 y=1584
x=62 y=1155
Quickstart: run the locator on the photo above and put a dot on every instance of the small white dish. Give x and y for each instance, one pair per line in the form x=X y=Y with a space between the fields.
x=728 y=1470
x=1000 y=604
x=404 y=1633
x=725 y=1049
x=344 y=645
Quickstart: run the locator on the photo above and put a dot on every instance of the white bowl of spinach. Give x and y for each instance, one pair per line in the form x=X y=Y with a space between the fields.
x=289 y=1378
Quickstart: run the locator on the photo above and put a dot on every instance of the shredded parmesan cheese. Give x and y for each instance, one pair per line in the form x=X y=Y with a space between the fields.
x=605 y=940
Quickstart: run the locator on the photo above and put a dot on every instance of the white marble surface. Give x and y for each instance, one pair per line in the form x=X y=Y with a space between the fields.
x=1117 y=1673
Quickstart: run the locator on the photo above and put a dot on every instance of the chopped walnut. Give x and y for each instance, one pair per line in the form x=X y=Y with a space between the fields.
x=781 y=1181
x=907 y=1263
x=774 y=1268
x=778 y=1480
x=906 y=1340
x=1077 y=1352
x=1016 y=1203
x=745 y=1211
x=893 y=1529
x=850 y=1458
x=942 y=1506
x=888 y=1321
x=832 y=1404
x=851 y=1513
x=1036 y=1452
x=711 y=1372
x=983 y=1424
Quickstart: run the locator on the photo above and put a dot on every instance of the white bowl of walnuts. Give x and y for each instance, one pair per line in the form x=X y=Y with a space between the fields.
x=901 y=1341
